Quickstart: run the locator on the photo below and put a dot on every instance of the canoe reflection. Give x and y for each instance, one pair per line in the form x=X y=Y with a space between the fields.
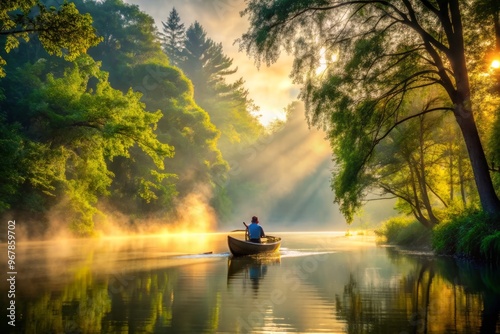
x=250 y=269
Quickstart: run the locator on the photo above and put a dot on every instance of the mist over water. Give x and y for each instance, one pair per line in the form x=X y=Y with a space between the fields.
x=318 y=282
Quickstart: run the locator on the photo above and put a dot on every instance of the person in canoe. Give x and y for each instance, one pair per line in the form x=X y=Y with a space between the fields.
x=255 y=231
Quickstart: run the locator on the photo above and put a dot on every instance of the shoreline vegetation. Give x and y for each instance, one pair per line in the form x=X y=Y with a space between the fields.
x=471 y=236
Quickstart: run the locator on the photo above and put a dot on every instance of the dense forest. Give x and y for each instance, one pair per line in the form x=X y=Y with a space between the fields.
x=103 y=113
x=127 y=128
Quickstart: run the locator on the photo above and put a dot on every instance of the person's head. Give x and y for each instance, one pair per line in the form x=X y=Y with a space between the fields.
x=255 y=220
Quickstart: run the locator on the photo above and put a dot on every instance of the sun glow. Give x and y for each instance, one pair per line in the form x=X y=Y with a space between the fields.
x=495 y=64
x=326 y=59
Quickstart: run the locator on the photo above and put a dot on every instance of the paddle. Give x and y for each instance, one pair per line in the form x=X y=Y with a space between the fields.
x=247 y=237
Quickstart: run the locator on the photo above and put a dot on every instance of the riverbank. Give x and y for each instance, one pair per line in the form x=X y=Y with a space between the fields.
x=473 y=235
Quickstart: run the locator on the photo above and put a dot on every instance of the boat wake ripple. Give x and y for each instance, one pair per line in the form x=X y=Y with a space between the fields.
x=202 y=256
x=285 y=252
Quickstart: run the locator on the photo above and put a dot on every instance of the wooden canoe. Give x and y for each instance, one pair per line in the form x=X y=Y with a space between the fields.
x=240 y=247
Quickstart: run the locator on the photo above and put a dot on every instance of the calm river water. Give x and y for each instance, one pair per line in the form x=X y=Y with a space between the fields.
x=318 y=283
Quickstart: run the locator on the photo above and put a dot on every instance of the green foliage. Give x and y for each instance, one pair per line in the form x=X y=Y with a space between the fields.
x=12 y=168
x=265 y=36
x=404 y=231
x=468 y=235
x=230 y=110
x=133 y=56
x=26 y=163
x=78 y=115
x=444 y=238
x=185 y=125
x=85 y=139
x=129 y=38
x=62 y=32
x=76 y=131
x=427 y=172
x=490 y=247
x=66 y=30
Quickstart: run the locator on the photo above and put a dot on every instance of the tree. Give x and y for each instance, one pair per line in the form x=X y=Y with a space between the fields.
x=77 y=124
x=422 y=171
x=173 y=37
x=129 y=37
x=487 y=12
x=185 y=125
x=73 y=166
x=62 y=31
x=423 y=165
x=132 y=53
x=374 y=54
x=204 y=62
x=228 y=105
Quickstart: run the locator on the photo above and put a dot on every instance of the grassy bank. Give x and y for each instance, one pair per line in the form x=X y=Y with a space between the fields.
x=405 y=232
x=470 y=235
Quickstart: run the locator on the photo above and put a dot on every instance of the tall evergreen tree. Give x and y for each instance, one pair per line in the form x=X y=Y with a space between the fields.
x=228 y=104
x=204 y=62
x=172 y=37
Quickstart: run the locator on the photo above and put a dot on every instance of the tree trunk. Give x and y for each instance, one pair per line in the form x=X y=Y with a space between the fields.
x=421 y=178
x=464 y=116
x=496 y=24
x=417 y=211
x=487 y=195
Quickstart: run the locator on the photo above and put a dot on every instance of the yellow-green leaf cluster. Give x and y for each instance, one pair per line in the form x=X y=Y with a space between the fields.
x=62 y=32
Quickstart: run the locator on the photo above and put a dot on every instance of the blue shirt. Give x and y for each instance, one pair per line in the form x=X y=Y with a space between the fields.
x=255 y=231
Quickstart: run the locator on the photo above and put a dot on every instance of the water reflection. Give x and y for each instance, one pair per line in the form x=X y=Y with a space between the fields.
x=436 y=295
x=250 y=268
x=473 y=287
x=315 y=285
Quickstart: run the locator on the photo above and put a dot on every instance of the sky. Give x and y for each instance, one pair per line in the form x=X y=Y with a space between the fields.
x=270 y=87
